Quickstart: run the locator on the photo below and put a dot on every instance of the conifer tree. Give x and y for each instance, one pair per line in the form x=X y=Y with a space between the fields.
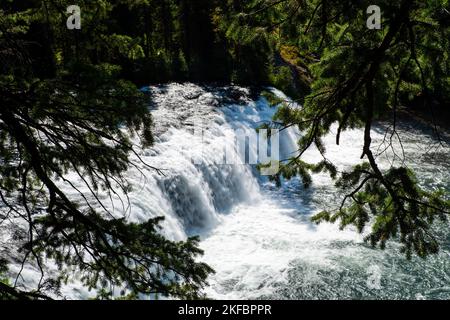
x=69 y=103
x=65 y=109
x=358 y=76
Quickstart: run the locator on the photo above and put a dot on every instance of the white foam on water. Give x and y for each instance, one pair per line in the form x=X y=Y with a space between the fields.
x=255 y=235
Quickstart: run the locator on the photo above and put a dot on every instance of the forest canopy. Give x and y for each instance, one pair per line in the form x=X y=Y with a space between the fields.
x=66 y=96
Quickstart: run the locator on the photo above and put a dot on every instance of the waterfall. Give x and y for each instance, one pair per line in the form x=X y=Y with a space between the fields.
x=193 y=195
x=258 y=237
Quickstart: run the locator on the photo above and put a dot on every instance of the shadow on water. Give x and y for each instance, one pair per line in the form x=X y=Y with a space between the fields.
x=358 y=271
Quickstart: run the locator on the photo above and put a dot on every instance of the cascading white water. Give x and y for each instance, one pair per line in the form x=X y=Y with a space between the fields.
x=266 y=246
x=257 y=237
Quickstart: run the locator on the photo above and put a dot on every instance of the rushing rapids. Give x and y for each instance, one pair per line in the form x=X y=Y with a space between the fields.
x=258 y=237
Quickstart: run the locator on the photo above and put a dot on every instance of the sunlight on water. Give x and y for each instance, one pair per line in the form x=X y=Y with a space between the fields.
x=257 y=237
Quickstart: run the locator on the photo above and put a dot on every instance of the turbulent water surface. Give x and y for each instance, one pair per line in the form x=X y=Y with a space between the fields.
x=258 y=237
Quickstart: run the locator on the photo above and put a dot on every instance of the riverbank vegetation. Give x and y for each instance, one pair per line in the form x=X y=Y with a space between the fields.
x=65 y=96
